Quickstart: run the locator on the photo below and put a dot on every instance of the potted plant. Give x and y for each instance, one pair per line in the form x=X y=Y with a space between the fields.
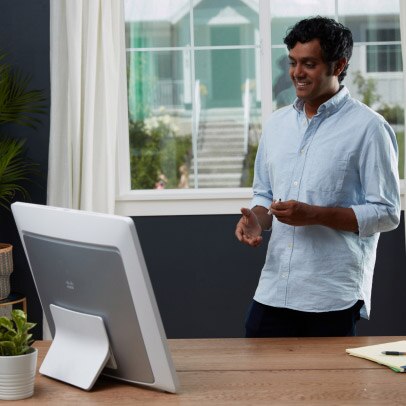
x=18 y=360
x=18 y=106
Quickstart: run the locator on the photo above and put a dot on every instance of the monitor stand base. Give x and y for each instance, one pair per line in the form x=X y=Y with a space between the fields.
x=80 y=348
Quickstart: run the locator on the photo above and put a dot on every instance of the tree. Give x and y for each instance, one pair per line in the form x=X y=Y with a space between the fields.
x=367 y=89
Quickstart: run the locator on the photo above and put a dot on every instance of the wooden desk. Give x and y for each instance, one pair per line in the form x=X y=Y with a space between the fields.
x=305 y=371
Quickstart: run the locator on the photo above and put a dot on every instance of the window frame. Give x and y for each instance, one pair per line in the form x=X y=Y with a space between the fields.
x=195 y=201
x=377 y=44
x=204 y=201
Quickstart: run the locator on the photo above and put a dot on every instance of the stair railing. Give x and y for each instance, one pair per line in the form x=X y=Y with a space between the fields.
x=195 y=130
x=247 y=108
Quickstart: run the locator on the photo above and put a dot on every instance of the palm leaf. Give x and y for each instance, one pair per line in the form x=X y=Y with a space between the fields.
x=14 y=169
x=18 y=104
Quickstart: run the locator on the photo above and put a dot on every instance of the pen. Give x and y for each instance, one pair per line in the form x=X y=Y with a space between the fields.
x=270 y=211
x=393 y=353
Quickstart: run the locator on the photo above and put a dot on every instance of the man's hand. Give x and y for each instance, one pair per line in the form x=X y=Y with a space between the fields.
x=294 y=213
x=297 y=213
x=248 y=229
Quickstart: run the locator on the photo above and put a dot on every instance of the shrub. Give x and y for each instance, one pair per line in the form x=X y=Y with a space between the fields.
x=392 y=114
x=157 y=152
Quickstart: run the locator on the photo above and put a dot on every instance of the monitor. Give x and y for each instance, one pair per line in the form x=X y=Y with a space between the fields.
x=97 y=297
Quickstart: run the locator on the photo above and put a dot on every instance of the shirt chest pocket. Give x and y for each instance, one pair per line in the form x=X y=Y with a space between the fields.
x=326 y=173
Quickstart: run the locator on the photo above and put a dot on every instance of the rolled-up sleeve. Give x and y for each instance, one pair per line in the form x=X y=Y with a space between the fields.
x=380 y=182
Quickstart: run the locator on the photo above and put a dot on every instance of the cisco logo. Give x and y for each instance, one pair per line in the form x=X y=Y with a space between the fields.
x=69 y=285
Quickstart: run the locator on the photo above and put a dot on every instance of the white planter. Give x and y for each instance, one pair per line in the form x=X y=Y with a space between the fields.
x=17 y=375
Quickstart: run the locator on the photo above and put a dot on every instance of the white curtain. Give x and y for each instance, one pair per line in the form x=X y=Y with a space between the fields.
x=88 y=102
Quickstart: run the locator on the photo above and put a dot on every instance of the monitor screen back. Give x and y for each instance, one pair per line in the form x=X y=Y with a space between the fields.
x=59 y=267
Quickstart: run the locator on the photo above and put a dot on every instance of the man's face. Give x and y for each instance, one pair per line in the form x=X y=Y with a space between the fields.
x=313 y=79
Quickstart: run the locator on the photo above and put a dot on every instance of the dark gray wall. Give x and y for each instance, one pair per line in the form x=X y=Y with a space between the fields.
x=203 y=278
x=388 y=316
x=24 y=36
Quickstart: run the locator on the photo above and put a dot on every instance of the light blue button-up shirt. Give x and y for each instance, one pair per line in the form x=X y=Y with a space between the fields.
x=346 y=156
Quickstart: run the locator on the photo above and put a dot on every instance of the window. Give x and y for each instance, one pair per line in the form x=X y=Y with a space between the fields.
x=198 y=92
x=383 y=57
x=192 y=93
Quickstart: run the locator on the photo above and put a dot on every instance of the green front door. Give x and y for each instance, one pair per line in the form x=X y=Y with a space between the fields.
x=225 y=68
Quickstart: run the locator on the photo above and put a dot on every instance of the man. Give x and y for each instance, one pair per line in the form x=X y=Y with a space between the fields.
x=326 y=181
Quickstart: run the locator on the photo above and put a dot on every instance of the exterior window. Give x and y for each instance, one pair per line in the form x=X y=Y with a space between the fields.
x=193 y=92
x=384 y=58
x=199 y=90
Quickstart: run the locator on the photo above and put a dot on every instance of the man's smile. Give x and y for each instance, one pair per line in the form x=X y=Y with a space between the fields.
x=300 y=84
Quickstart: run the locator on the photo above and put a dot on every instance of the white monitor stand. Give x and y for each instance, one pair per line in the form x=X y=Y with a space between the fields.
x=80 y=349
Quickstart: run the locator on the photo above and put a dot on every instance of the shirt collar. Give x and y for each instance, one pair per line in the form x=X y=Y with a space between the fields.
x=331 y=105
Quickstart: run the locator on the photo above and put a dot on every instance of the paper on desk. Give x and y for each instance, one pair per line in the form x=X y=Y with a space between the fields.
x=374 y=353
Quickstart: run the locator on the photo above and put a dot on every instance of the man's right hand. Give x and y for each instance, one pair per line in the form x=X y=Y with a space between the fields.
x=248 y=229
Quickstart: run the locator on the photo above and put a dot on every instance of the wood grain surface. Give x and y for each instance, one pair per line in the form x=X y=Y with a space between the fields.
x=288 y=371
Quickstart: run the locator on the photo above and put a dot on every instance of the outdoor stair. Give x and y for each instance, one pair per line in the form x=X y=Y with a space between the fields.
x=220 y=153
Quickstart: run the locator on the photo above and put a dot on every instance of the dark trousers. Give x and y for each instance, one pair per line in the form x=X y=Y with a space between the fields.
x=268 y=321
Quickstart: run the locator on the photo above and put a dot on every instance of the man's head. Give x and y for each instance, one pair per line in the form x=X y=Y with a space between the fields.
x=319 y=50
x=335 y=40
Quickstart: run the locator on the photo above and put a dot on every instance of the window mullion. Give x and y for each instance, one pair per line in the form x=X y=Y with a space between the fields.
x=195 y=129
x=266 y=66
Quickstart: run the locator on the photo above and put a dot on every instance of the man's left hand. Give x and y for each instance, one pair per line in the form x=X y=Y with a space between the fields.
x=293 y=213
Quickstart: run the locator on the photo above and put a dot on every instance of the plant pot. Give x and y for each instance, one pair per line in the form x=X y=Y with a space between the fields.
x=6 y=268
x=17 y=375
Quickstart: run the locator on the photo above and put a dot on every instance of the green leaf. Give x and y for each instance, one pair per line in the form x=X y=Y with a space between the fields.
x=19 y=319
x=7 y=324
x=18 y=105
x=13 y=170
x=8 y=348
x=14 y=336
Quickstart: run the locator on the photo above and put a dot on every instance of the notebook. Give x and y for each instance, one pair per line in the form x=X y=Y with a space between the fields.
x=374 y=353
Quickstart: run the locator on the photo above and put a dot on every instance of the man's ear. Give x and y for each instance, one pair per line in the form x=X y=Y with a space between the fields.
x=339 y=66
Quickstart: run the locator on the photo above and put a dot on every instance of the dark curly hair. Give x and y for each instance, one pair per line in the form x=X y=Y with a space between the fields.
x=335 y=39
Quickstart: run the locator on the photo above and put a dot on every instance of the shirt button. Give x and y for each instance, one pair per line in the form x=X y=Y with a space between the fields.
x=290 y=245
x=284 y=275
x=302 y=151
x=295 y=183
